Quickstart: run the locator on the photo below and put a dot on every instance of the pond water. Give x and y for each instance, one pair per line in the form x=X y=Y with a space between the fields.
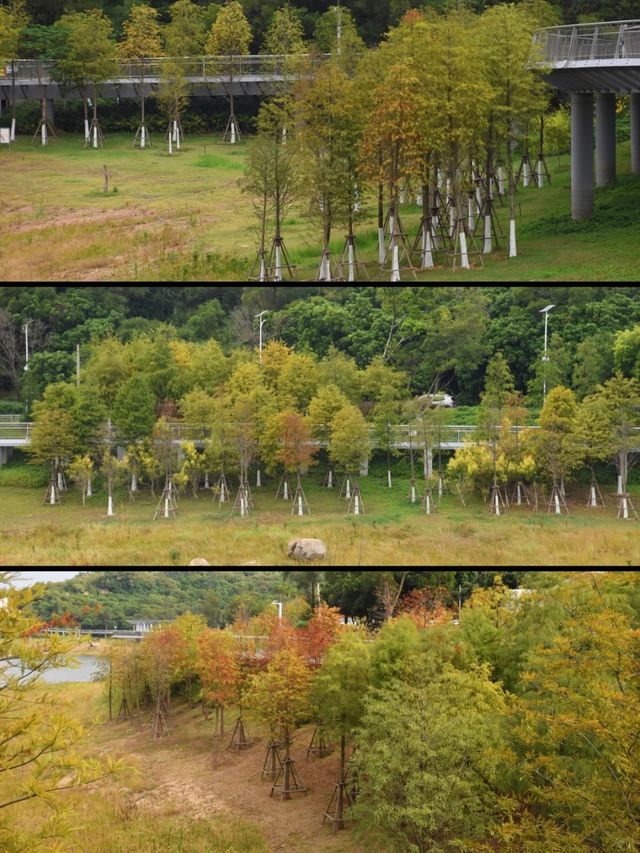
x=87 y=666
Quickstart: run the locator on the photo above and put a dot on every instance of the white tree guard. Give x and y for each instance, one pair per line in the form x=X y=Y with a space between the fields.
x=513 y=251
x=278 y=270
x=500 y=180
x=471 y=216
x=86 y=130
x=427 y=249
x=110 y=512
x=464 y=253
x=142 y=136
x=381 y=246
x=13 y=130
x=487 y=248
x=44 y=134
x=351 y=262
x=263 y=270
x=526 y=174
x=395 y=263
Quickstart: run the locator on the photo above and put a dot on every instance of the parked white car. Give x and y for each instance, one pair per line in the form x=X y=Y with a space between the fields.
x=442 y=401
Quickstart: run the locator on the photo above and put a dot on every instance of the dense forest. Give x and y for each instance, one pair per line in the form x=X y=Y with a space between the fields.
x=372 y=19
x=107 y=598
x=440 y=337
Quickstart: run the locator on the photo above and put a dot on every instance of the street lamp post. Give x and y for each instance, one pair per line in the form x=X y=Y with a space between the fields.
x=26 y=343
x=262 y=322
x=546 y=311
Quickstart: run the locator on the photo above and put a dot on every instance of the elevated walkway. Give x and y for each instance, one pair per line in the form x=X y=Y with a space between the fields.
x=593 y=62
x=208 y=76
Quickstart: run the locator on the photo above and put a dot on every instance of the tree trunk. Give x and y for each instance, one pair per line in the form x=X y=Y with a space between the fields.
x=287 y=767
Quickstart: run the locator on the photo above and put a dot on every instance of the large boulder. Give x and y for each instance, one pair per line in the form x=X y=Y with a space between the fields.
x=306 y=550
x=199 y=561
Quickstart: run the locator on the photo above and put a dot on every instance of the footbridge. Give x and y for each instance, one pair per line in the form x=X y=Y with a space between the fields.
x=593 y=63
x=403 y=437
x=208 y=76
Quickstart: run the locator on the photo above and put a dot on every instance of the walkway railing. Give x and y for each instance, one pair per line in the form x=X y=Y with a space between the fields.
x=614 y=40
x=403 y=436
x=15 y=430
x=196 y=68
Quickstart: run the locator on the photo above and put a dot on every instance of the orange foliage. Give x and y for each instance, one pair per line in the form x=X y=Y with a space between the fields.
x=218 y=666
x=426 y=607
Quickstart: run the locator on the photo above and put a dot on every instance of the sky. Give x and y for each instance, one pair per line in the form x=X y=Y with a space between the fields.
x=28 y=577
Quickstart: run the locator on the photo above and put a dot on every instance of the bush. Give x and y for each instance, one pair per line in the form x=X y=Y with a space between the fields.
x=11 y=407
x=19 y=474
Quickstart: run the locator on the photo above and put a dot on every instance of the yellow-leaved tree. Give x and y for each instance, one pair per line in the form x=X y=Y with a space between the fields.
x=142 y=41
x=229 y=38
x=40 y=741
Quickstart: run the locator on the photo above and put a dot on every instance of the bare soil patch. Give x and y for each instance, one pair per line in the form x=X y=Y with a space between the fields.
x=194 y=774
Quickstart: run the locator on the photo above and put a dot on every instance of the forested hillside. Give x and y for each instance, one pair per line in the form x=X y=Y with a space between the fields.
x=442 y=337
x=108 y=598
x=97 y=599
x=372 y=19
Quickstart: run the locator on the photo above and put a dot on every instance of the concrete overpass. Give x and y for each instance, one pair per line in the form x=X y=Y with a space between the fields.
x=593 y=62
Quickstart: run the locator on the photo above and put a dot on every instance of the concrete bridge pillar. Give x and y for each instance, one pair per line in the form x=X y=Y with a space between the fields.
x=50 y=112
x=635 y=132
x=605 y=139
x=581 y=155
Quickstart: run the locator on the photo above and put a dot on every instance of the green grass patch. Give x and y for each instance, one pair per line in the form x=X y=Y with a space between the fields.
x=215 y=161
x=195 y=194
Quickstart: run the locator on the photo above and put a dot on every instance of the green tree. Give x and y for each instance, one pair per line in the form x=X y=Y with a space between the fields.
x=13 y=19
x=173 y=96
x=594 y=364
x=142 y=41
x=323 y=408
x=515 y=89
x=338 y=693
x=350 y=442
x=574 y=729
x=134 y=409
x=622 y=397
x=281 y=696
x=626 y=351
x=499 y=389
x=184 y=35
x=556 y=448
x=285 y=34
x=328 y=132
x=230 y=37
x=53 y=437
x=430 y=761
x=88 y=60
x=191 y=627
x=81 y=471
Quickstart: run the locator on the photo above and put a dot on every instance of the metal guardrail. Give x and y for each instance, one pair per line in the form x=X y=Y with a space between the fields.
x=195 y=68
x=403 y=435
x=614 y=40
x=15 y=430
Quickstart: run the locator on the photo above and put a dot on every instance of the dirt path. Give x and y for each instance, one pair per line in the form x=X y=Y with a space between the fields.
x=185 y=774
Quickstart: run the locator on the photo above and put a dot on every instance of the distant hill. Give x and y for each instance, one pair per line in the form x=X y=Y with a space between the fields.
x=108 y=598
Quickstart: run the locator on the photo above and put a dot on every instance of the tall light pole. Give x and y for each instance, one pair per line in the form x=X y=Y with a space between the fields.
x=546 y=311
x=262 y=322
x=26 y=343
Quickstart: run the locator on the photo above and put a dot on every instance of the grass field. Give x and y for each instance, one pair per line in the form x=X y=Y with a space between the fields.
x=392 y=532
x=183 y=218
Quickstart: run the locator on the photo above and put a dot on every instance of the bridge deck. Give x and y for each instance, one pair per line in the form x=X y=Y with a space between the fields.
x=602 y=57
